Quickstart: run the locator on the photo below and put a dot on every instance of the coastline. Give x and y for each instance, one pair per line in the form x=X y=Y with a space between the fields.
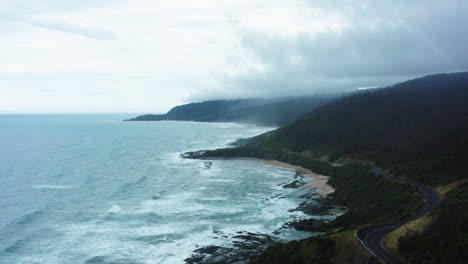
x=319 y=182
x=251 y=245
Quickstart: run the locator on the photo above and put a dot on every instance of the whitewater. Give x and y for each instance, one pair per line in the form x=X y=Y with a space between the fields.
x=94 y=189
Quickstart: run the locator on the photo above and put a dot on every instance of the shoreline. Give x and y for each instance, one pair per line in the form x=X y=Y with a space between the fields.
x=318 y=182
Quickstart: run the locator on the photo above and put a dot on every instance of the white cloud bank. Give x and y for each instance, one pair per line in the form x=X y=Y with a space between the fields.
x=146 y=56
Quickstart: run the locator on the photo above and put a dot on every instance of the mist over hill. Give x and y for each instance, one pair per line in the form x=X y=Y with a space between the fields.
x=266 y=112
x=417 y=127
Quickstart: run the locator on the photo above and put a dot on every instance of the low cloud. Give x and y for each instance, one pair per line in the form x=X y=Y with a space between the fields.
x=94 y=33
x=379 y=44
x=147 y=56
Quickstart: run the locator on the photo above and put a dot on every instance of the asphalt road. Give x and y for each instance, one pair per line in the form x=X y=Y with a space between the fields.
x=372 y=236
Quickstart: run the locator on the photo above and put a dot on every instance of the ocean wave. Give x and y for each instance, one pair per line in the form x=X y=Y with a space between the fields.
x=29 y=217
x=115 y=209
x=47 y=186
x=213 y=199
x=144 y=203
x=220 y=180
x=159 y=239
x=16 y=245
x=109 y=260
x=170 y=205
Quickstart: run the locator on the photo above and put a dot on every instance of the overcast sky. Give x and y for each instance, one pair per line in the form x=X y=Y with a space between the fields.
x=147 y=56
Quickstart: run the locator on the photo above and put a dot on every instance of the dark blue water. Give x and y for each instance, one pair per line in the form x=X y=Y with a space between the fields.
x=78 y=188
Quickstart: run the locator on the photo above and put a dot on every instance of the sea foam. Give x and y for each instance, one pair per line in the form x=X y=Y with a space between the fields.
x=46 y=186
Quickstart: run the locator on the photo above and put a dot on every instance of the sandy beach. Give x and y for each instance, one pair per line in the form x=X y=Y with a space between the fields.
x=319 y=181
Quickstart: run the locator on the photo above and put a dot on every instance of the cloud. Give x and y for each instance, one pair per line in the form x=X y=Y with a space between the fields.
x=375 y=44
x=94 y=33
x=48 y=15
x=147 y=56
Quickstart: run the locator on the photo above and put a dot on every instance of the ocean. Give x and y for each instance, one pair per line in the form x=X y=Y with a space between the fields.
x=94 y=189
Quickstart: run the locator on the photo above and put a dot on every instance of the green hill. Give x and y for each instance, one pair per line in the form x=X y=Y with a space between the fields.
x=417 y=128
x=202 y=110
x=267 y=112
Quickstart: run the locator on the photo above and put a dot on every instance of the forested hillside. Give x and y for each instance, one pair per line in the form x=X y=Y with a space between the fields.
x=417 y=128
x=267 y=112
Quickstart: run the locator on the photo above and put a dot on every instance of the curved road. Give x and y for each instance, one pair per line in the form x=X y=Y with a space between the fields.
x=372 y=236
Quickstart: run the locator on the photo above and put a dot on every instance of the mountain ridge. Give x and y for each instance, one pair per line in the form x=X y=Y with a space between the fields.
x=266 y=112
x=411 y=123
